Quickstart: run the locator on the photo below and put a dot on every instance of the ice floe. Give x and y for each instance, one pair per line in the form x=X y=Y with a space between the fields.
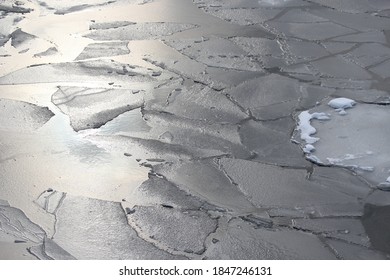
x=356 y=141
x=103 y=105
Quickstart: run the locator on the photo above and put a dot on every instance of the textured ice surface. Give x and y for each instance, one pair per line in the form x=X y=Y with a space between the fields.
x=201 y=163
x=312 y=31
x=19 y=37
x=181 y=135
x=93 y=107
x=194 y=101
x=183 y=231
x=159 y=191
x=299 y=16
x=216 y=53
x=268 y=97
x=22 y=116
x=369 y=54
x=215 y=77
x=75 y=6
x=273 y=186
x=138 y=31
x=15 y=223
x=242 y=241
x=362 y=22
x=329 y=225
x=364 y=37
x=248 y=3
x=270 y=141
x=348 y=251
x=383 y=69
x=205 y=180
x=258 y=46
x=359 y=6
x=104 y=50
x=343 y=181
x=244 y=16
x=102 y=232
x=97 y=71
x=339 y=67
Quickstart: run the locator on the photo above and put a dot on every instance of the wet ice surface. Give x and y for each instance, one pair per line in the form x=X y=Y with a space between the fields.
x=209 y=130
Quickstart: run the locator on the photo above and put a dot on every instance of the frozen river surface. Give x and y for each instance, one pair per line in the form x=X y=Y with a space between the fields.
x=179 y=129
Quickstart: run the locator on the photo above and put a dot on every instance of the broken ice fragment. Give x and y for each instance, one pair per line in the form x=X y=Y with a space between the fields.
x=22 y=116
x=191 y=227
x=241 y=241
x=105 y=49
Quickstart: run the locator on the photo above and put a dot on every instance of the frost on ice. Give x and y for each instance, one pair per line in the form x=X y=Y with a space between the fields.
x=348 y=140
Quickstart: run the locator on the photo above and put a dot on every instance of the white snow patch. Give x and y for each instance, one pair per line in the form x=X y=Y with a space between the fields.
x=342 y=103
x=306 y=128
x=309 y=148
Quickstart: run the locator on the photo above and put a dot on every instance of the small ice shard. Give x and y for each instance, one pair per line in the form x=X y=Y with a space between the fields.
x=306 y=128
x=342 y=103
